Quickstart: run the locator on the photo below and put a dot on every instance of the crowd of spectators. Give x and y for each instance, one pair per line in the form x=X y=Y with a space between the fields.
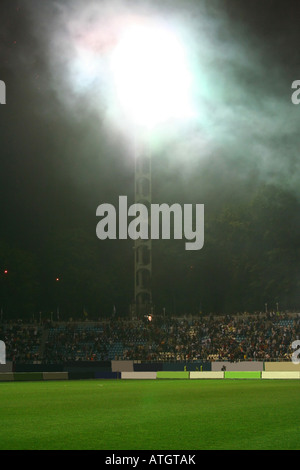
x=22 y=341
x=233 y=338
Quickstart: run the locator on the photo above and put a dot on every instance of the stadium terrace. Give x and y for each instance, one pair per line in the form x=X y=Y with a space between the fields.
x=233 y=338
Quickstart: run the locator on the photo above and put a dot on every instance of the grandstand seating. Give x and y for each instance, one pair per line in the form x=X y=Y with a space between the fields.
x=231 y=338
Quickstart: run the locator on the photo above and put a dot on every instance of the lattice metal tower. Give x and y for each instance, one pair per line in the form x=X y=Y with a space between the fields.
x=143 y=248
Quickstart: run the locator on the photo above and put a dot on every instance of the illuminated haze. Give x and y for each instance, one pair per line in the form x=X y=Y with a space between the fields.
x=245 y=122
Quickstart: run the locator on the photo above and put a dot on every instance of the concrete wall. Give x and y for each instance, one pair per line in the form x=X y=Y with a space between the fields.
x=138 y=375
x=172 y=375
x=6 y=367
x=238 y=366
x=55 y=375
x=28 y=376
x=6 y=376
x=130 y=370
x=284 y=366
x=122 y=366
x=281 y=375
x=207 y=375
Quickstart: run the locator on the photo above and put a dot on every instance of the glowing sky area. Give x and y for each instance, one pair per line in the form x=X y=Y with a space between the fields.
x=119 y=63
x=151 y=75
x=143 y=67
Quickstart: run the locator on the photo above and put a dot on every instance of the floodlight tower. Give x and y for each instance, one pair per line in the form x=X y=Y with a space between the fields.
x=152 y=82
x=143 y=247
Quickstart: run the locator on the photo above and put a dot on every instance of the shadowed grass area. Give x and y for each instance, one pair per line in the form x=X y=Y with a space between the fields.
x=150 y=414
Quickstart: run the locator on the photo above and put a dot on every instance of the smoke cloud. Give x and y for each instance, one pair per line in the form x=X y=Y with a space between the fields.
x=246 y=123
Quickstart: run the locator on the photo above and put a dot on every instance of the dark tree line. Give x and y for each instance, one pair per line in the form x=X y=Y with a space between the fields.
x=250 y=261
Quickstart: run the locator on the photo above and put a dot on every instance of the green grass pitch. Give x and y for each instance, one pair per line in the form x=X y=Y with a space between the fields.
x=150 y=415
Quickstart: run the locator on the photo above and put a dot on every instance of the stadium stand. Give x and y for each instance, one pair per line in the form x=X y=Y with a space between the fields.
x=244 y=337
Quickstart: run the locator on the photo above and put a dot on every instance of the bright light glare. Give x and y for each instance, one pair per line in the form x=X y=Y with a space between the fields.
x=151 y=75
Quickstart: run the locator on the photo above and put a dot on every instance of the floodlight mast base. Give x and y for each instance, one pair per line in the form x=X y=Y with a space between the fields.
x=143 y=248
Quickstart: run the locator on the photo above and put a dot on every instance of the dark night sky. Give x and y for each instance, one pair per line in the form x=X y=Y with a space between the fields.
x=60 y=155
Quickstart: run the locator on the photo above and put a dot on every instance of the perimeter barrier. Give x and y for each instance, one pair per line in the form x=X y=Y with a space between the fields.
x=28 y=376
x=207 y=375
x=242 y=375
x=172 y=375
x=139 y=375
x=129 y=370
x=281 y=375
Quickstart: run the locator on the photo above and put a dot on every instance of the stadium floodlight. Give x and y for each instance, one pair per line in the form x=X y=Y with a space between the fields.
x=150 y=75
x=152 y=86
